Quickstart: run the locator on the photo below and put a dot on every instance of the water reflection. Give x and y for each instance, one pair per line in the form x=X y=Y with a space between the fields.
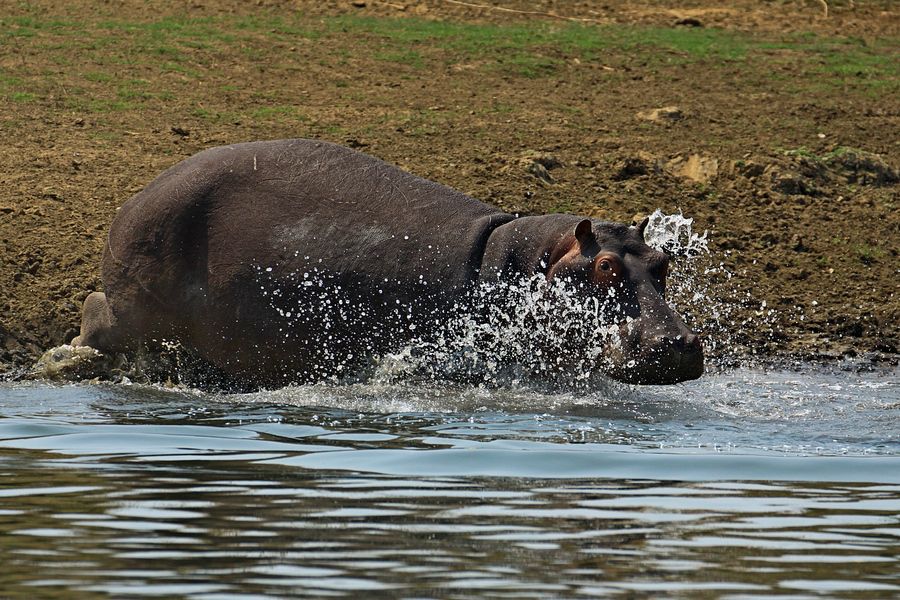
x=134 y=492
x=199 y=529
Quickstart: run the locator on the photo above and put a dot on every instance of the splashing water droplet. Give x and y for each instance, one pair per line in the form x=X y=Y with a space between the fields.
x=673 y=234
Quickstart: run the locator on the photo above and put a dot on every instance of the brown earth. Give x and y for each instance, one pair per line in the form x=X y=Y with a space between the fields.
x=797 y=184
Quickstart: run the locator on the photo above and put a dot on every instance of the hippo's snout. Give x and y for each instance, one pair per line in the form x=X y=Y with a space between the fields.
x=663 y=361
x=658 y=349
x=669 y=360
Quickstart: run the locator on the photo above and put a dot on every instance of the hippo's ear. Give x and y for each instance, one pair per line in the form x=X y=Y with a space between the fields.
x=583 y=232
x=642 y=226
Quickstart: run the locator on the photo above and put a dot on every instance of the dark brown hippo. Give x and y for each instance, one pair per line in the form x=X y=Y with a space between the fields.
x=293 y=260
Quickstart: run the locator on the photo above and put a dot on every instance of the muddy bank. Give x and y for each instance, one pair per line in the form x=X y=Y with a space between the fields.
x=771 y=125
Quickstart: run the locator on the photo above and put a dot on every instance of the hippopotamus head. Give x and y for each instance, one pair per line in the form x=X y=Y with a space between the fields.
x=613 y=263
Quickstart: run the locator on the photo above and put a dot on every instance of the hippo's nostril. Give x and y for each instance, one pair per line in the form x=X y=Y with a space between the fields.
x=692 y=342
x=681 y=343
x=664 y=343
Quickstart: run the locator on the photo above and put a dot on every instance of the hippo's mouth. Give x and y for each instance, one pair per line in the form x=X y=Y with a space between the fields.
x=657 y=366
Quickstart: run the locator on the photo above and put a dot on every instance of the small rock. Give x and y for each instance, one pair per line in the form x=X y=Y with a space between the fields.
x=635 y=165
x=180 y=131
x=689 y=22
x=748 y=168
x=788 y=182
x=51 y=194
x=797 y=244
x=358 y=4
x=540 y=171
x=732 y=244
x=548 y=161
x=70 y=363
x=695 y=167
x=666 y=114
x=536 y=165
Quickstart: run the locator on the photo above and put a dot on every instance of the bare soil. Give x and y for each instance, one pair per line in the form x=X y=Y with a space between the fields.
x=788 y=156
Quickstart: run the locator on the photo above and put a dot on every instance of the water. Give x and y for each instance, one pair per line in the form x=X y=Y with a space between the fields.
x=750 y=483
x=747 y=483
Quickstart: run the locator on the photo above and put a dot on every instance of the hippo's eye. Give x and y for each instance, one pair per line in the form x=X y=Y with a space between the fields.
x=607 y=270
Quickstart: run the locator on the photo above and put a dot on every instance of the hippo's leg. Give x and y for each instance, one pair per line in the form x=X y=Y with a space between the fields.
x=99 y=328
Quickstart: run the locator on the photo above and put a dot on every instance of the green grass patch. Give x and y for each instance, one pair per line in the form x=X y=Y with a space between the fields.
x=534 y=50
x=27 y=26
x=113 y=53
x=802 y=152
x=277 y=112
x=205 y=114
x=694 y=43
x=472 y=39
x=9 y=81
x=532 y=66
x=869 y=254
x=336 y=130
x=129 y=94
x=500 y=108
x=98 y=76
x=279 y=27
x=22 y=97
x=483 y=40
x=84 y=104
x=173 y=67
x=171 y=28
x=836 y=154
x=838 y=62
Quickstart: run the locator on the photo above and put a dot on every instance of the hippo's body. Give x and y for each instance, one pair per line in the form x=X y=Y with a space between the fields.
x=280 y=261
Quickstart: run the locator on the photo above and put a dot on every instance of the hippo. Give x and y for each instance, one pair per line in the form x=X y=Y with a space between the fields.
x=289 y=261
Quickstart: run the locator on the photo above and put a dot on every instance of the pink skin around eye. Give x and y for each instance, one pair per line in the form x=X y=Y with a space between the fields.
x=607 y=269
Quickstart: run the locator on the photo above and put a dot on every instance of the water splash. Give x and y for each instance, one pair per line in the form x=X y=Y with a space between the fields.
x=703 y=291
x=523 y=332
x=674 y=235
x=501 y=333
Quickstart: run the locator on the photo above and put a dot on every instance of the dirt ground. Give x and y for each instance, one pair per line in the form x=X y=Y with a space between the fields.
x=783 y=141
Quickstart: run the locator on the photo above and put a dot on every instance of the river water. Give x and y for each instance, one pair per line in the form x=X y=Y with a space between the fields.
x=750 y=483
